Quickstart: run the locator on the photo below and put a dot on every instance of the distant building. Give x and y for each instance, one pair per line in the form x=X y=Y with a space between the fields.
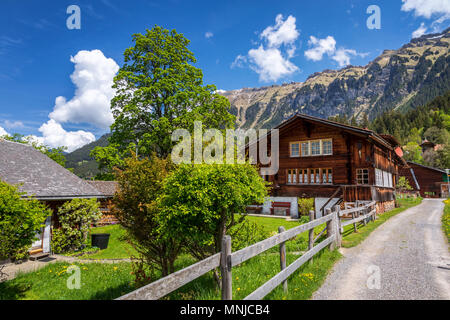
x=430 y=182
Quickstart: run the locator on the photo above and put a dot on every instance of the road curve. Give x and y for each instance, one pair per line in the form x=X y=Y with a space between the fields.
x=407 y=257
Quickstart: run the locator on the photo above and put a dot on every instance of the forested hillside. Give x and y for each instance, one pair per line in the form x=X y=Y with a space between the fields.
x=428 y=122
x=81 y=161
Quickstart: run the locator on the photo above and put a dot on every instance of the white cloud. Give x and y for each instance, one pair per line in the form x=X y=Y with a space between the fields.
x=426 y=8
x=3 y=132
x=93 y=78
x=343 y=56
x=283 y=32
x=239 y=61
x=320 y=47
x=270 y=64
x=13 y=124
x=209 y=35
x=420 y=31
x=327 y=46
x=53 y=135
x=271 y=60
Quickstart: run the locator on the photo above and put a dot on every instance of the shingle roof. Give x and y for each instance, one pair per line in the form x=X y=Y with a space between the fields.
x=39 y=175
x=108 y=188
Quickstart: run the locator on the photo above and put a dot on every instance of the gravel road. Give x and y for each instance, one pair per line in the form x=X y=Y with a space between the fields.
x=407 y=257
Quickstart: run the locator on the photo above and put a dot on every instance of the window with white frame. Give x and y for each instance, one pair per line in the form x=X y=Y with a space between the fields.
x=295 y=149
x=311 y=148
x=315 y=148
x=327 y=147
x=305 y=149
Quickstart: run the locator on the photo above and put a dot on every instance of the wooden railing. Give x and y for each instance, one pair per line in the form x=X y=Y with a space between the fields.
x=226 y=259
x=363 y=212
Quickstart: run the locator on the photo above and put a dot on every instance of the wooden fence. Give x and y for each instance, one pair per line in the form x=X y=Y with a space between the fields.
x=335 y=221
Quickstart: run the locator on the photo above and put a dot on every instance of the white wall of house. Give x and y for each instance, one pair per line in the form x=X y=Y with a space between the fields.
x=293 y=200
x=319 y=202
x=47 y=235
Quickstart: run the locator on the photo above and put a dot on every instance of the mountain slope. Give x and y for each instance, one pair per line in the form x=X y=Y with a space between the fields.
x=80 y=160
x=397 y=79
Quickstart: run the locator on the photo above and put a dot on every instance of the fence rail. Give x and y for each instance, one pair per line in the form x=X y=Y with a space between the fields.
x=226 y=259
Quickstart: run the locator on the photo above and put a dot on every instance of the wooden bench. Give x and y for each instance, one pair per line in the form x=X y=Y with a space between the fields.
x=254 y=209
x=285 y=205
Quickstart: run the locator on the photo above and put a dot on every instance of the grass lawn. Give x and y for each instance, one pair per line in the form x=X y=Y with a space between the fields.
x=446 y=219
x=109 y=281
x=99 y=281
x=118 y=248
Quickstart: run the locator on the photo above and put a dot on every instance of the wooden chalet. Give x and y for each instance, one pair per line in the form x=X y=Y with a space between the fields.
x=430 y=182
x=328 y=161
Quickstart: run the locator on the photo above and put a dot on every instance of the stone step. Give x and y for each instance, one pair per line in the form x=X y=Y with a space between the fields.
x=38 y=256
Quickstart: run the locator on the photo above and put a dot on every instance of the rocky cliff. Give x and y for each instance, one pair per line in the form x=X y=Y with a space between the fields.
x=397 y=79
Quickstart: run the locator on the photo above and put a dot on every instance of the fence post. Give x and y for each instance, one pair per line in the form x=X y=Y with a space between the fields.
x=225 y=267
x=365 y=212
x=330 y=229
x=283 y=258
x=311 y=234
x=339 y=229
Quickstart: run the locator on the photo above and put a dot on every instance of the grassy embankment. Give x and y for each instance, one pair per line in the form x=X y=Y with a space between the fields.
x=446 y=219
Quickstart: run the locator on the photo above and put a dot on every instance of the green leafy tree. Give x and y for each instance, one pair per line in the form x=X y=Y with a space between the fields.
x=75 y=217
x=403 y=184
x=107 y=158
x=20 y=220
x=437 y=135
x=158 y=90
x=443 y=158
x=413 y=152
x=135 y=206
x=199 y=203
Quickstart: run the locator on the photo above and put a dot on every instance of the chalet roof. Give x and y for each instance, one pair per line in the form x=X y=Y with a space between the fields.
x=427 y=167
x=39 y=175
x=391 y=139
x=108 y=188
x=387 y=141
x=342 y=126
x=427 y=143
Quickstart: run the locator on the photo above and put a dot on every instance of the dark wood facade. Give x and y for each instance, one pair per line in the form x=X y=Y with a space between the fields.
x=352 y=169
x=430 y=182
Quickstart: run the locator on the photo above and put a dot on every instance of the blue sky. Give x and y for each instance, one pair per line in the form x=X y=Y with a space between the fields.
x=237 y=44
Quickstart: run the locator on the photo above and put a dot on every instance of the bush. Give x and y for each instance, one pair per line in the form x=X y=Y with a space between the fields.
x=20 y=220
x=199 y=203
x=305 y=205
x=136 y=209
x=75 y=216
x=246 y=234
